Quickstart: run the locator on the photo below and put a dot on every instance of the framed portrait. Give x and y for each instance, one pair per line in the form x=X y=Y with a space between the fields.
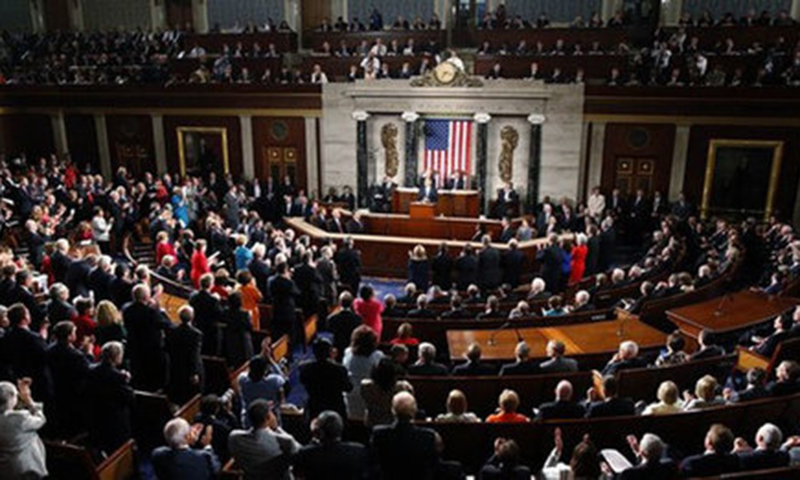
x=741 y=177
x=202 y=150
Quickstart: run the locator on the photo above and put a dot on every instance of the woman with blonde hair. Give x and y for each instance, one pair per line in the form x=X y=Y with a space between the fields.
x=418 y=267
x=705 y=395
x=457 y=410
x=668 y=400
x=109 y=324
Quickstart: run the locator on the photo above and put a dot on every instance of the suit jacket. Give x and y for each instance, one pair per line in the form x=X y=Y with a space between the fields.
x=771 y=343
x=428 y=369
x=325 y=383
x=664 y=470
x=421 y=313
x=513 y=264
x=613 y=407
x=341 y=325
x=336 y=227
x=20 y=429
x=763 y=459
x=208 y=311
x=69 y=368
x=559 y=365
x=260 y=271
x=77 y=278
x=99 y=282
x=24 y=296
x=26 y=353
x=405 y=451
x=709 y=465
x=146 y=327
x=283 y=292
x=489 y=268
x=354 y=227
x=309 y=282
x=254 y=449
x=708 y=352
x=431 y=196
x=348 y=262
x=341 y=460
x=551 y=267
x=109 y=405
x=613 y=368
x=473 y=369
x=519 y=368
x=442 y=271
x=58 y=310
x=466 y=271
x=59 y=264
x=184 y=346
x=561 y=410
x=185 y=463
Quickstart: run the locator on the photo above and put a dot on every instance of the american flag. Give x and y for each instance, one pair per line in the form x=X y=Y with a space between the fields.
x=447 y=147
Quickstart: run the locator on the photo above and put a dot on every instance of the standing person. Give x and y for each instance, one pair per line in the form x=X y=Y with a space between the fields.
x=146 y=326
x=200 y=263
x=466 y=267
x=551 y=261
x=370 y=310
x=283 y=292
x=101 y=230
x=596 y=204
x=489 y=265
x=442 y=268
x=184 y=345
x=578 y=261
x=251 y=297
x=22 y=453
x=360 y=358
x=418 y=267
x=109 y=405
x=348 y=261
x=325 y=380
x=208 y=313
x=238 y=329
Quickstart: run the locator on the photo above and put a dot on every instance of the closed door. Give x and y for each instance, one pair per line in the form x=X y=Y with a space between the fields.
x=634 y=174
x=56 y=15
x=313 y=12
x=282 y=162
x=179 y=13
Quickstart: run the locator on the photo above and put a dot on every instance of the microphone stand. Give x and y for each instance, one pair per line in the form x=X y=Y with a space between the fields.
x=718 y=311
x=492 y=338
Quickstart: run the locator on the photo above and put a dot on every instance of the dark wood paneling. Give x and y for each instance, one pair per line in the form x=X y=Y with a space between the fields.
x=314 y=12
x=82 y=141
x=171 y=124
x=28 y=133
x=130 y=143
x=56 y=15
x=269 y=132
x=619 y=142
x=291 y=97
x=696 y=163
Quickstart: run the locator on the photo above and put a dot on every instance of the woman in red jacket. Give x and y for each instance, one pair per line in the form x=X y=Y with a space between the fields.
x=163 y=247
x=579 y=252
x=200 y=263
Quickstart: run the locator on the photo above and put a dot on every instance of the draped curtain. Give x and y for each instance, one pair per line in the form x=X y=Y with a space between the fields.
x=226 y=13
x=557 y=10
x=390 y=9
x=719 y=8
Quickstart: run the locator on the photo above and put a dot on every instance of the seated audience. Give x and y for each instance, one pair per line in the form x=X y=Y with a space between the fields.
x=473 y=366
x=457 y=410
x=179 y=459
x=523 y=365
x=263 y=450
x=716 y=459
x=22 y=452
x=507 y=409
x=402 y=449
x=426 y=364
x=327 y=456
x=668 y=400
x=563 y=407
x=557 y=363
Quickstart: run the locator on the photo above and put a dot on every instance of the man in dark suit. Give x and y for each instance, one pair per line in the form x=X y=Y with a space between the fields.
x=716 y=459
x=617 y=204
x=9 y=282
x=608 y=244
x=21 y=293
x=336 y=224
x=58 y=307
x=184 y=346
x=208 y=313
x=768 y=453
x=110 y=400
x=178 y=459
x=355 y=226
x=507 y=231
x=651 y=467
x=422 y=310
x=456 y=309
x=442 y=268
x=427 y=192
x=558 y=363
x=309 y=282
x=489 y=265
x=459 y=181
x=77 y=277
x=767 y=346
x=327 y=456
x=523 y=365
x=563 y=407
x=427 y=365
x=787 y=379
x=551 y=259
x=348 y=261
x=639 y=217
x=60 y=260
x=593 y=251
x=707 y=347
x=466 y=268
x=25 y=352
x=260 y=270
x=512 y=264
x=612 y=405
x=342 y=323
x=325 y=380
x=474 y=367
x=70 y=369
x=755 y=388
x=284 y=293
x=507 y=201
x=682 y=208
x=146 y=326
x=402 y=449
x=100 y=278
x=626 y=358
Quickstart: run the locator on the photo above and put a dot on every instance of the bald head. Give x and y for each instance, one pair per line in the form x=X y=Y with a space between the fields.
x=404 y=406
x=564 y=390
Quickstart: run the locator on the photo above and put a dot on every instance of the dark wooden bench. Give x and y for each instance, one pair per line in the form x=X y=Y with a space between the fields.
x=787 y=350
x=74 y=462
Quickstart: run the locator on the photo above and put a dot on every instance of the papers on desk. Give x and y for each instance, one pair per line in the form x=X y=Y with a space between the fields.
x=615 y=460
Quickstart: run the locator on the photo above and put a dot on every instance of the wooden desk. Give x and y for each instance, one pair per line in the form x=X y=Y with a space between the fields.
x=461 y=203
x=586 y=339
x=421 y=210
x=737 y=311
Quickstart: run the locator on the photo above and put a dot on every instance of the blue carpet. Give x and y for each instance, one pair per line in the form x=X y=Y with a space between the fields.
x=385 y=286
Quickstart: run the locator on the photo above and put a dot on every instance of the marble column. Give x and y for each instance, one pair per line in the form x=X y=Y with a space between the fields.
x=411 y=167
x=795 y=11
x=59 y=133
x=160 y=144
x=36 y=9
x=535 y=162
x=248 y=160
x=482 y=119
x=610 y=7
x=362 y=158
x=158 y=15
x=200 y=16
x=312 y=157
x=76 y=15
x=670 y=12
x=598 y=143
x=102 y=145
x=679 y=158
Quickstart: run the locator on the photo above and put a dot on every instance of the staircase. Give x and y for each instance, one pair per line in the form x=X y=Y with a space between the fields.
x=143 y=252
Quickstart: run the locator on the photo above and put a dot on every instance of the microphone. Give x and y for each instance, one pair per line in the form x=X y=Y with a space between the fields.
x=492 y=338
x=719 y=311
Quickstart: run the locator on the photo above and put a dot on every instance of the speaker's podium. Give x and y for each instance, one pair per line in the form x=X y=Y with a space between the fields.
x=421 y=210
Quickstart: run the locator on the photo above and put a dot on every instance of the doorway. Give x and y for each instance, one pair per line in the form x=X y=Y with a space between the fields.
x=314 y=12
